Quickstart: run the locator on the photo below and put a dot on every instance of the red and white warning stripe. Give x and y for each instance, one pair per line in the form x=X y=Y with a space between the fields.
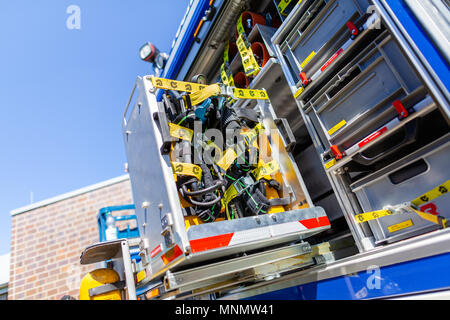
x=155 y=251
x=240 y=237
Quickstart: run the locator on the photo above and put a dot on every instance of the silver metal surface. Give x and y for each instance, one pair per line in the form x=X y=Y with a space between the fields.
x=418 y=60
x=151 y=174
x=349 y=204
x=426 y=106
x=434 y=16
x=251 y=223
x=323 y=34
x=129 y=276
x=212 y=49
x=377 y=191
x=423 y=246
x=101 y=251
x=288 y=167
x=195 y=278
x=366 y=96
x=115 y=249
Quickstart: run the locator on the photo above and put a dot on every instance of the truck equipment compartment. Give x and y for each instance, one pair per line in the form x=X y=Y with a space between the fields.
x=199 y=201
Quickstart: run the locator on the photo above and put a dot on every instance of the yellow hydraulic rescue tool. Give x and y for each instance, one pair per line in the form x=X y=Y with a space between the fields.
x=101 y=284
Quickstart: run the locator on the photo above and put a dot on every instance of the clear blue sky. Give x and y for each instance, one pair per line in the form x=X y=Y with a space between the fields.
x=62 y=92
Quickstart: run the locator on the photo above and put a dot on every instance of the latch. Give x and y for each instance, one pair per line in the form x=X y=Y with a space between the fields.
x=144 y=245
x=167 y=232
x=286 y=133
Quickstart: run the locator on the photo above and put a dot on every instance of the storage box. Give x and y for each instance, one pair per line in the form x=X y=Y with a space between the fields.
x=319 y=32
x=363 y=90
x=403 y=181
x=167 y=243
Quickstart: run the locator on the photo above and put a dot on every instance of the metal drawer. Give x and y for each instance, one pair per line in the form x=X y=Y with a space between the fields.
x=310 y=42
x=363 y=90
x=402 y=182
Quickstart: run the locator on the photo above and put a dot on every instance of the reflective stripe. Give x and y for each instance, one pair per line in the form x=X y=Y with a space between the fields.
x=210 y=243
x=267 y=232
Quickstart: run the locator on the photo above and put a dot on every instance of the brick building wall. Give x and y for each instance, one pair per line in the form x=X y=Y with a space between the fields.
x=48 y=237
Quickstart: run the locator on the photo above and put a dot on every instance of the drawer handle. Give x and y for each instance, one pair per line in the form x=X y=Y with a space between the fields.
x=411 y=134
x=408 y=172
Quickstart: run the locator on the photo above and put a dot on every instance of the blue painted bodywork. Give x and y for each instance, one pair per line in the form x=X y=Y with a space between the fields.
x=410 y=277
x=186 y=51
x=413 y=27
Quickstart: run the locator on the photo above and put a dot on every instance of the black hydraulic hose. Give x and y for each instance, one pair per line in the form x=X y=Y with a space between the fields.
x=200 y=192
x=205 y=204
x=185 y=116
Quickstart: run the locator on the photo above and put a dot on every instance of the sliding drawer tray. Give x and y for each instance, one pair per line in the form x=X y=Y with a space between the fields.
x=403 y=181
x=319 y=32
x=363 y=90
x=168 y=241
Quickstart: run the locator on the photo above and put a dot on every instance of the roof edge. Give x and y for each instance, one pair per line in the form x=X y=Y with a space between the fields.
x=69 y=195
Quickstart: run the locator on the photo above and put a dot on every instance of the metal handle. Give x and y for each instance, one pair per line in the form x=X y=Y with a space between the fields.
x=286 y=133
x=160 y=116
x=411 y=133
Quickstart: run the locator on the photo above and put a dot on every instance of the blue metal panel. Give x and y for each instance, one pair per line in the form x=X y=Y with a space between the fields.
x=421 y=39
x=196 y=46
x=187 y=39
x=404 y=278
x=180 y=52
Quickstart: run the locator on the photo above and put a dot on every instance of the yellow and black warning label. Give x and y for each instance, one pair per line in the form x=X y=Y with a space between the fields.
x=330 y=164
x=227 y=159
x=200 y=92
x=168 y=84
x=368 y=216
x=187 y=169
x=266 y=169
x=200 y=96
x=432 y=194
x=308 y=59
x=251 y=66
x=299 y=92
x=425 y=198
x=250 y=94
x=180 y=132
x=337 y=127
